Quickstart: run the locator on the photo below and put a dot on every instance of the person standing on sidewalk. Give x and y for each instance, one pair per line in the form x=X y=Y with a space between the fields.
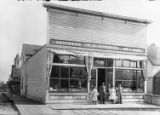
x=102 y=92
x=120 y=91
x=112 y=94
x=94 y=95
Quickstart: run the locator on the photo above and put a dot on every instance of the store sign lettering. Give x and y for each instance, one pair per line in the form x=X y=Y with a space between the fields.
x=96 y=46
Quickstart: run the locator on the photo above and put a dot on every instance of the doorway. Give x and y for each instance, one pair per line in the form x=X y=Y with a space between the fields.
x=101 y=77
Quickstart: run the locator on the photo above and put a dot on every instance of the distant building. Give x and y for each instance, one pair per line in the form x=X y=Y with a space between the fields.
x=14 y=81
x=84 y=49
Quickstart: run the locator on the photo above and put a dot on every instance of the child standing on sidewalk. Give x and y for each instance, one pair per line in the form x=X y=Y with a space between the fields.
x=94 y=95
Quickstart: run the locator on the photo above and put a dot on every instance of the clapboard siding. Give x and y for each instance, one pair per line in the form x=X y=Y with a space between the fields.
x=87 y=28
x=36 y=77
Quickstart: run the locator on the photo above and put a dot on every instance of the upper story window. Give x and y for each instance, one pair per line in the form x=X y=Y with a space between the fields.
x=68 y=59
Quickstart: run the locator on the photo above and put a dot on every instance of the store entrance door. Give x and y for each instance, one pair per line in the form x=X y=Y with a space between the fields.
x=101 y=77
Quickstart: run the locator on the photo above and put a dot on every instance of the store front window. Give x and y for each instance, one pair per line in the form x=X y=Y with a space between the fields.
x=131 y=80
x=66 y=79
x=71 y=76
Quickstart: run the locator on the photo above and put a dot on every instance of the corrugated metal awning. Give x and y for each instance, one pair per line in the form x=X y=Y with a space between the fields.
x=119 y=56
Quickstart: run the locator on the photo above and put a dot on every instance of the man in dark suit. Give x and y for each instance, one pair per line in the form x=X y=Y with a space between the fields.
x=102 y=92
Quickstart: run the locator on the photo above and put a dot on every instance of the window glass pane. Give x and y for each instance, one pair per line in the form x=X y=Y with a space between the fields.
x=93 y=79
x=99 y=62
x=54 y=72
x=78 y=85
x=118 y=74
x=133 y=86
x=118 y=83
x=64 y=72
x=125 y=85
x=126 y=63
x=64 y=85
x=73 y=72
x=78 y=72
x=74 y=85
x=118 y=63
x=64 y=59
x=82 y=73
x=126 y=74
x=83 y=85
x=133 y=64
x=93 y=74
x=76 y=60
x=58 y=58
x=54 y=84
x=133 y=75
x=109 y=62
x=92 y=83
x=140 y=81
x=139 y=64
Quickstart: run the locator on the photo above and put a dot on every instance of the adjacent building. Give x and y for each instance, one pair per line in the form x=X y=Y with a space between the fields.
x=84 y=49
x=14 y=81
x=153 y=75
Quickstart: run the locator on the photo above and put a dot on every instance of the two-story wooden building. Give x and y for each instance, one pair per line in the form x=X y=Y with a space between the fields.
x=85 y=48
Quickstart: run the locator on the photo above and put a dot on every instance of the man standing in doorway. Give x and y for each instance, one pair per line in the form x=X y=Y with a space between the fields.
x=102 y=92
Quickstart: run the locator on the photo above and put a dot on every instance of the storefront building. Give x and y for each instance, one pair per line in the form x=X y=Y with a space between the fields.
x=84 y=49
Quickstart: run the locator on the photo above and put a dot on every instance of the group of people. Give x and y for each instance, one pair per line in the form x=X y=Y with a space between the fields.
x=102 y=94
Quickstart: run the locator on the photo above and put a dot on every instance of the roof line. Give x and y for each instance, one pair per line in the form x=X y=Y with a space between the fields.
x=95 y=13
x=35 y=53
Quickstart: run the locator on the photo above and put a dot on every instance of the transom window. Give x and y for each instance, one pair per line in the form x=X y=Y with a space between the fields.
x=102 y=62
x=68 y=59
x=128 y=64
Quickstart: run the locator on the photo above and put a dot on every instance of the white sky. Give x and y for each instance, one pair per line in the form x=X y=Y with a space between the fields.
x=26 y=22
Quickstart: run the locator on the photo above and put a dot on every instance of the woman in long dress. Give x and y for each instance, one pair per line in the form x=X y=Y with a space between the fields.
x=94 y=95
x=112 y=93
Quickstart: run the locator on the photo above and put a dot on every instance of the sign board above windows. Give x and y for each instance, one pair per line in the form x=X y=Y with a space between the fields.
x=96 y=46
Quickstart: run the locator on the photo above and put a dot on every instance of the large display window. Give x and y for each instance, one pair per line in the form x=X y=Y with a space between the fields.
x=131 y=80
x=68 y=79
x=68 y=74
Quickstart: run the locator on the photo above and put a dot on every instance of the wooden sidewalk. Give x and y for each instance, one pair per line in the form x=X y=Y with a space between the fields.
x=30 y=107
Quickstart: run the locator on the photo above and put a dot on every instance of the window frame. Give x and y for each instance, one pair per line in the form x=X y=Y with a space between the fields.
x=130 y=81
x=69 y=79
